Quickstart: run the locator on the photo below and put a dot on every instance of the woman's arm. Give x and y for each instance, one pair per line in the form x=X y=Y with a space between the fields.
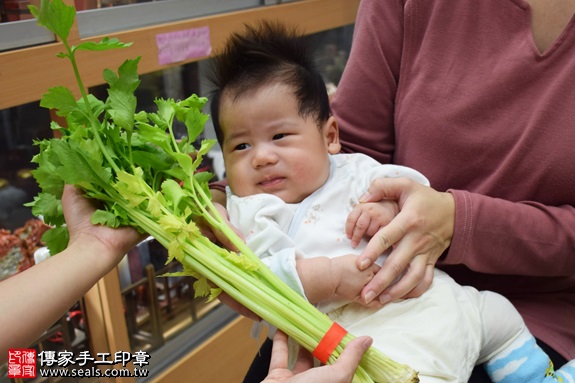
x=365 y=98
x=541 y=238
x=33 y=300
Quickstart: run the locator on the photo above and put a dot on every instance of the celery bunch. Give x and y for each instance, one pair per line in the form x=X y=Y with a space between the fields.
x=132 y=163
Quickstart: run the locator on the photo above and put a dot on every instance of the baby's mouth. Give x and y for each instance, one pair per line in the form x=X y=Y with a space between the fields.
x=271 y=182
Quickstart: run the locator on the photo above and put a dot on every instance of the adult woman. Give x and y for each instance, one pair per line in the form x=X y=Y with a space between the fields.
x=476 y=96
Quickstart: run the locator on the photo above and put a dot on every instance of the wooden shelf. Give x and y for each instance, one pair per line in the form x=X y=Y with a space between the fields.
x=26 y=74
x=225 y=357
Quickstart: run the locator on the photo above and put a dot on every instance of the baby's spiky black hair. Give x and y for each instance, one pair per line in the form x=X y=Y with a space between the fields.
x=265 y=54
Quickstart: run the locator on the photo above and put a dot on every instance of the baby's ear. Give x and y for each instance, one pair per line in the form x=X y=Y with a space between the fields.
x=331 y=134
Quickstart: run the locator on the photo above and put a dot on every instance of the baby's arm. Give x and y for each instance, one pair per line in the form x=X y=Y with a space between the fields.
x=265 y=220
x=326 y=278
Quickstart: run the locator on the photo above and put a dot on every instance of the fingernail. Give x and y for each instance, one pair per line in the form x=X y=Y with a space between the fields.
x=369 y=296
x=364 y=197
x=364 y=264
x=367 y=342
x=384 y=298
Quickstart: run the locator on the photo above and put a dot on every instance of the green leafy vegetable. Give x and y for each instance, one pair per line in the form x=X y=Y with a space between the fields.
x=132 y=163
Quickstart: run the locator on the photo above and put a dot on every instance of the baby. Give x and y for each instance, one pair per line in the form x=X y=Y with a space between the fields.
x=290 y=193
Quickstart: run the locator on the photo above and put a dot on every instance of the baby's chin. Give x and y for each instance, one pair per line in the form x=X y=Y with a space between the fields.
x=288 y=197
x=285 y=195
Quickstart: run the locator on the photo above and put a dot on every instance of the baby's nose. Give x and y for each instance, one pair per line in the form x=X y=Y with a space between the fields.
x=264 y=155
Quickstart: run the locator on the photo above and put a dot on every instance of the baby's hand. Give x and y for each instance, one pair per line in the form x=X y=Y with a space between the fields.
x=367 y=218
x=350 y=281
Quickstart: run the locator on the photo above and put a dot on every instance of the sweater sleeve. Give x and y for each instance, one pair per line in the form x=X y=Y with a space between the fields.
x=375 y=58
x=540 y=237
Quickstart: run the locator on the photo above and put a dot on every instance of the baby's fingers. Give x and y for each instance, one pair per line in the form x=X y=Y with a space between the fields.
x=351 y=222
x=361 y=228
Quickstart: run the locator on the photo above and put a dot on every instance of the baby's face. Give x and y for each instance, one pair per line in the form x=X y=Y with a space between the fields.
x=269 y=148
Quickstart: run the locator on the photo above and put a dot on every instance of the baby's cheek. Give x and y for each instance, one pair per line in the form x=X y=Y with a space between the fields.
x=239 y=183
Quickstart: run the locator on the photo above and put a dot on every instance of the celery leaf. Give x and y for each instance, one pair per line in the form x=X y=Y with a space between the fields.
x=195 y=121
x=49 y=207
x=106 y=218
x=55 y=16
x=48 y=170
x=201 y=288
x=77 y=168
x=56 y=239
x=106 y=44
x=61 y=99
x=127 y=79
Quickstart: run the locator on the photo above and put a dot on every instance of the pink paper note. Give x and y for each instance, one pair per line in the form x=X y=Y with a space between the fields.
x=183 y=45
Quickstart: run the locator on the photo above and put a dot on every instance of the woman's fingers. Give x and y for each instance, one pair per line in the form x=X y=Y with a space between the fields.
x=412 y=283
x=386 y=188
x=237 y=307
x=407 y=270
x=351 y=356
x=221 y=237
x=280 y=352
x=77 y=212
x=382 y=241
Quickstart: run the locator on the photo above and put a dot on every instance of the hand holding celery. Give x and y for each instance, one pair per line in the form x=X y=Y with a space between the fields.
x=132 y=163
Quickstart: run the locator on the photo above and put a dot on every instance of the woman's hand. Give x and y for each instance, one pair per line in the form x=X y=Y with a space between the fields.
x=237 y=307
x=418 y=235
x=216 y=235
x=77 y=213
x=341 y=371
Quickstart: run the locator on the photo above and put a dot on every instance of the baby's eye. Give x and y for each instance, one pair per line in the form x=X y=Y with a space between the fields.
x=279 y=136
x=241 y=147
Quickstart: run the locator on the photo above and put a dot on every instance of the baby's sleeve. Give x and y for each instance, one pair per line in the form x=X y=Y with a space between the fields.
x=363 y=170
x=264 y=220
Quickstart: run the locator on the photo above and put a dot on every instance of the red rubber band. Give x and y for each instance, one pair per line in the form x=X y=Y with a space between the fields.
x=329 y=342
